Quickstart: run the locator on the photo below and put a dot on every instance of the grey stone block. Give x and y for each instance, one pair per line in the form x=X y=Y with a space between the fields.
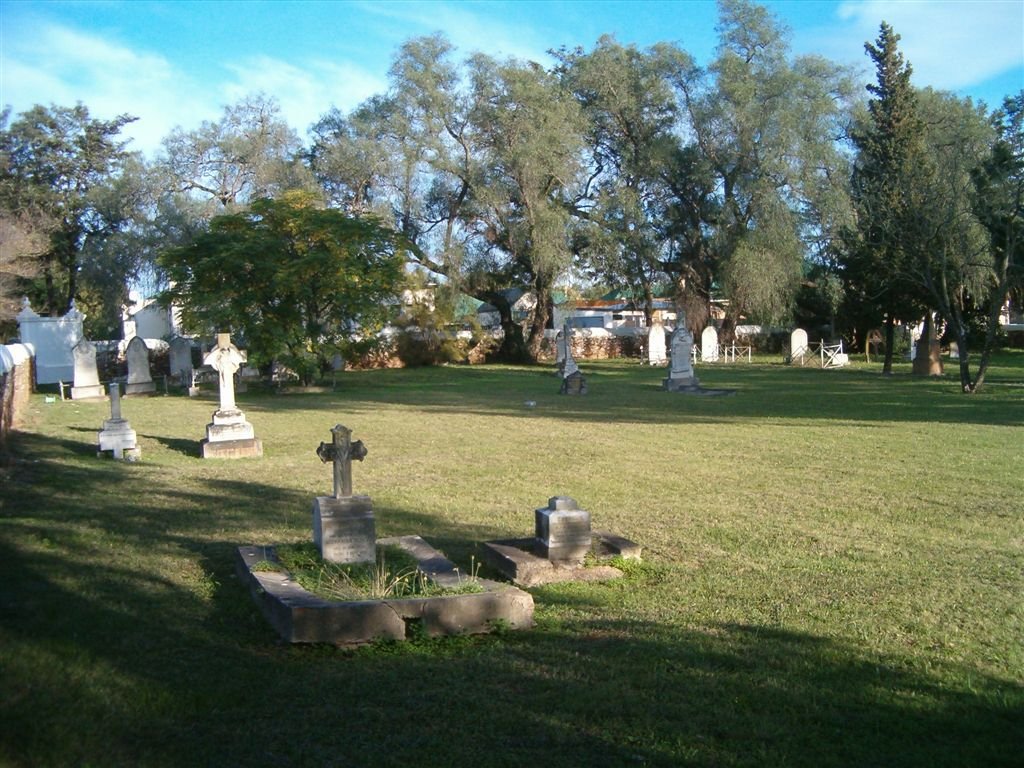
x=344 y=530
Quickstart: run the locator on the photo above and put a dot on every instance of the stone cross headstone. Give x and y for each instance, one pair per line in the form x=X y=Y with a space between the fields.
x=709 y=345
x=229 y=436
x=181 y=360
x=87 y=380
x=797 y=344
x=117 y=435
x=341 y=451
x=656 y=352
x=681 y=374
x=225 y=358
x=140 y=381
x=344 y=529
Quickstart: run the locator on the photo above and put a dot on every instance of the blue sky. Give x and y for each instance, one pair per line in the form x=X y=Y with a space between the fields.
x=178 y=63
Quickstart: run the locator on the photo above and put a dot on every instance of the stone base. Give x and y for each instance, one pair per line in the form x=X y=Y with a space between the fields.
x=680 y=384
x=193 y=391
x=300 y=617
x=90 y=392
x=344 y=530
x=140 y=388
x=232 y=449
x=573 y=384
x=562 y=531
x=118 y=436
x=520 y=561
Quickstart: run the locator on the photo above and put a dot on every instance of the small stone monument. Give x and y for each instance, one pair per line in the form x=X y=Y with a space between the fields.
x=229 y=436
x=562 y=531
x=681 y=376
x=573 y=382
x=656 y=352
x=562 y=540
x=87 y=381
x=140 y=381
x=344 y=530
x=709 y=345
x=117 y=434
x=797 y=345
x=181 y=360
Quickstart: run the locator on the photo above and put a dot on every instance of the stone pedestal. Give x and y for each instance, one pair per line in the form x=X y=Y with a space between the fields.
x=89 y=392
x=562 y=530
x=230 y=436
x=681 y=383
x=344 y=530
x=117 y=435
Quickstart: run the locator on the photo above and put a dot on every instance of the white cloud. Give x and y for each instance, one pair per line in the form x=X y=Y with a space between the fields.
x=304 y=92
x=58 y=65
x=951 y=44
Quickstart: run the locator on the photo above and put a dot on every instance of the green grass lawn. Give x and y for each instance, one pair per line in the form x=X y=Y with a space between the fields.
x=834 y=575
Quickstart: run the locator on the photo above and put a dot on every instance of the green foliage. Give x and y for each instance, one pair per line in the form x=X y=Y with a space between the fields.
x=69 y=187
x=292 y=279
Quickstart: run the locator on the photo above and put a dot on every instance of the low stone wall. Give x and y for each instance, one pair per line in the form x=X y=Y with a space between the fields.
x=15 y=387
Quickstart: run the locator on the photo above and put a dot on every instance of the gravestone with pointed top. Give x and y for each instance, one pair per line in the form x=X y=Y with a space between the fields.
x=573 y=382
x=229 y=435
x=117 y=435
x=87 y=380
x=140 y=380
x=344 y=529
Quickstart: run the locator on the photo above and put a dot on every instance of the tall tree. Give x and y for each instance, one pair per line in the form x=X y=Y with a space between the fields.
x=763 y=130
x=890 y=150
x=533 y=134
x=631 y=113
x=63 y=177
x=294 y=280
x=250 y=152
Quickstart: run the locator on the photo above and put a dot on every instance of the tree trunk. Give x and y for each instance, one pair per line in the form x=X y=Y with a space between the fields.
x=540 y=319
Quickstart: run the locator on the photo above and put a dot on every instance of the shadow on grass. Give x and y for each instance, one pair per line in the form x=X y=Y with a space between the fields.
x=619 y=392
x=126 y=640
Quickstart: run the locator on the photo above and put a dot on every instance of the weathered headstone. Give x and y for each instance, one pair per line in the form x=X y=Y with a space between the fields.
x=87 y=379
x=681 y=375
x=181 y=360
x=344 y=530
x=656 y=351
x=140 y=381
x=562 y=531
x=117 y=434
x=797 y=345
x=560 y=347
x=573 y=382
x=229 y=436
x=709 y=345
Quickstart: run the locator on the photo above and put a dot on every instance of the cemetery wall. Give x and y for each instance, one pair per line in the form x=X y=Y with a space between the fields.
x=16 y=362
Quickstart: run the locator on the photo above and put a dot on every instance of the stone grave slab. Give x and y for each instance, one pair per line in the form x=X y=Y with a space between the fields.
x=300 y=617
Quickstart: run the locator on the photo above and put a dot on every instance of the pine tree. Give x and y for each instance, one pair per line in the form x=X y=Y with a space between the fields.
x=889 y=152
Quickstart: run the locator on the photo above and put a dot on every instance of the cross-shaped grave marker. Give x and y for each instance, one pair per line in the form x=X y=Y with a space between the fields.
x=342 y=450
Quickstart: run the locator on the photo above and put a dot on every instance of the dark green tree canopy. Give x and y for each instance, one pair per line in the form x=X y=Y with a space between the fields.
x=293 y=280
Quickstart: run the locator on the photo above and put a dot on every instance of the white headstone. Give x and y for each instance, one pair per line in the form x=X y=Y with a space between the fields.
x=53 y=339
x=117 y=434
x=797 y=343
x=225 y=358
x=140 y=380
x=87 y=379
x=681 y=376
x=656 y=352
x=709 y=345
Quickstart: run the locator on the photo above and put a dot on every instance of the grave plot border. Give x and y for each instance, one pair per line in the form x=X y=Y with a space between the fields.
x=301 y=617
